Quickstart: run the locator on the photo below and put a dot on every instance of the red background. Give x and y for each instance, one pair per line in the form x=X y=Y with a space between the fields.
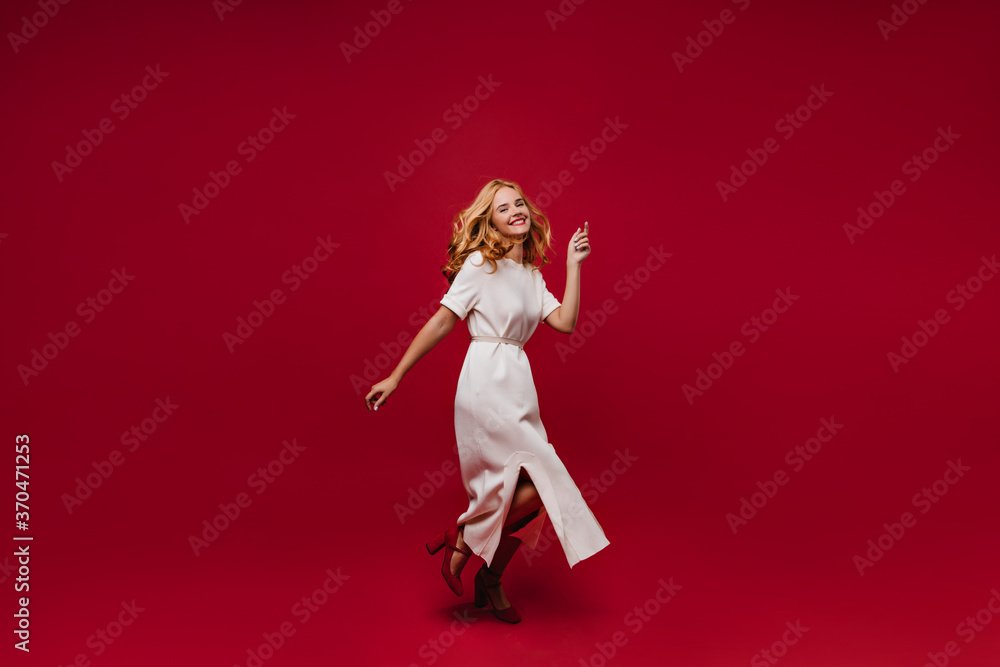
x=655 y=185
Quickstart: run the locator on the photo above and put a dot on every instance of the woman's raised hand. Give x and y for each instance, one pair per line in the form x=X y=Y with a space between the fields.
x=380 y=393
x=579 y=245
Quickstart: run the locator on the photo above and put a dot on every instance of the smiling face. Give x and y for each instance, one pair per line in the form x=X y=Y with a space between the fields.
x=510 y=216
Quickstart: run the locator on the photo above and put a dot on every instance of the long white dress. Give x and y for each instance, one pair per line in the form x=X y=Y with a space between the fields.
x=497 y=421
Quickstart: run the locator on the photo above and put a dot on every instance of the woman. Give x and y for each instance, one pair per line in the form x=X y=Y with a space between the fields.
x=512 y=474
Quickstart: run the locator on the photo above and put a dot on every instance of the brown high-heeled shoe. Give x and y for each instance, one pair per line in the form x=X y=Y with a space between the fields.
x=484 y=591
x=449 y=538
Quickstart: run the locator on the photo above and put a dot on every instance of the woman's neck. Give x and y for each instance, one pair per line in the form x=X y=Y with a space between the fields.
x=516 y=253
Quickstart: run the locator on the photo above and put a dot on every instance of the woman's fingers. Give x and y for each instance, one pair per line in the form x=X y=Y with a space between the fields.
x=376 y=397
x=581 y=240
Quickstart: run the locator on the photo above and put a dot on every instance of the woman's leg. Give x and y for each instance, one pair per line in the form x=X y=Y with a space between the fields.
x=523 y=508
x=458 y=559
x=491 y=575
x=505 y=552
x=526 y=503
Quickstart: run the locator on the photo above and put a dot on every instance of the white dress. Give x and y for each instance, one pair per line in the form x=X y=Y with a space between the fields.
x=497 y=421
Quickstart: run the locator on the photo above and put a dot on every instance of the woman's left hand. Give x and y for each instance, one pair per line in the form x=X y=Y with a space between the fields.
x=579 y=245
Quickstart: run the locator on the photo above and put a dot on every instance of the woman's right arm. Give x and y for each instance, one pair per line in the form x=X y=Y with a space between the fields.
x=430 y=335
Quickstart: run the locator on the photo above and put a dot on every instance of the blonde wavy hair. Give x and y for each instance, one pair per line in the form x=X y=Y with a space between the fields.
x=473 y=231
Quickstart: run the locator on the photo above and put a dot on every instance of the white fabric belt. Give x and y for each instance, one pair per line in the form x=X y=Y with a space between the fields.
x=498 y=339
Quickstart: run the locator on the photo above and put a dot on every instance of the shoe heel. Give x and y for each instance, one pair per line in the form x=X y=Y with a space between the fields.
x=480 y=592
x=449 y=538
x=509 y=614
x=435 y=544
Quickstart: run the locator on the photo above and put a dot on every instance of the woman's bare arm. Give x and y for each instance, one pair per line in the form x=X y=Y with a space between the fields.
x=432 y=333
x=563 y=318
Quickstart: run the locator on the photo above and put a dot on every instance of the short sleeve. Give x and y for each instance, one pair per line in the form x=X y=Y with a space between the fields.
x=465 y=290
x=549 y=301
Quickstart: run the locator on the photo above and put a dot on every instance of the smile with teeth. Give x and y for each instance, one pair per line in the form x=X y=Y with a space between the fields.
x=518 y=221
